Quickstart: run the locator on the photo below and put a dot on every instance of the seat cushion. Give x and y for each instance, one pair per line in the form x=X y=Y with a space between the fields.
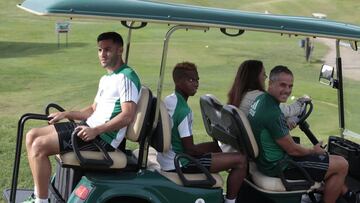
x=152 y=163
x=70 y=159
x=265 y=182
x=174 y=177
x=270 y=183
x=134 y=132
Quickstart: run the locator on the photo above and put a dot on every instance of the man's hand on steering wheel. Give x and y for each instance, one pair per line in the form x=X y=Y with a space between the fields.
x=292 y=122
x=304 y=99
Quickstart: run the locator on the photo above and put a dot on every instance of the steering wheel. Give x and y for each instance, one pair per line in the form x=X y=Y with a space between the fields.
x=308 y=108
x=304 y=126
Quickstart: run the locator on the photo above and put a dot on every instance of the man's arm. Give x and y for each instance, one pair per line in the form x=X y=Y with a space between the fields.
x=121 y=120
x=294 y=149
x=83 y=114
x=198 y=149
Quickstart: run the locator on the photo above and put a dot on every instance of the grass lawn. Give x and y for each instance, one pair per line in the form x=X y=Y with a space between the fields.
x=35 y=72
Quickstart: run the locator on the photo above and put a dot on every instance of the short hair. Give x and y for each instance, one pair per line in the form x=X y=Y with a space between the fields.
x=180 y=69
x=114 y=36
x=246 y=79
x=277 y=70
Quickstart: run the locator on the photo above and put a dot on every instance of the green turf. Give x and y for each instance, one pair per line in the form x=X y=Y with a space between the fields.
x=35 y=72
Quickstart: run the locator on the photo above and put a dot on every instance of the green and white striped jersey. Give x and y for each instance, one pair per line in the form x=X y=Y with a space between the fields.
x=181 y=120
x=120 y=86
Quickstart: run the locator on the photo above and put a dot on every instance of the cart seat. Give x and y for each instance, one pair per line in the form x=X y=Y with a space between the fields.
x=136 y=132
x=239 y=124
x=153 y=165
x=174 y=177
x=272 y=183
x=161 y=141
x=69 y=159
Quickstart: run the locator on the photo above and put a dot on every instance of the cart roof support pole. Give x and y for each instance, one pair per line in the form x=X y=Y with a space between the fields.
x=163 y=64
x=340 y=89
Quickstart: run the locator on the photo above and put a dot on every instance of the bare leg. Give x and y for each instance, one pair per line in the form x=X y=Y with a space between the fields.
x=335 y=178
x=237 y=164
x=40 y=144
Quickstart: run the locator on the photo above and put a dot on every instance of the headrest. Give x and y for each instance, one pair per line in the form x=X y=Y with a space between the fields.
x=238 y=125
x=214 y=122
x=143 y=108
x=210 y=110
x=161 y=139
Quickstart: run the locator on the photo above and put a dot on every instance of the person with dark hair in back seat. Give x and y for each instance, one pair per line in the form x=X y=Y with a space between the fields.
x=248 y=84
x=105 y=120
x=208 y=154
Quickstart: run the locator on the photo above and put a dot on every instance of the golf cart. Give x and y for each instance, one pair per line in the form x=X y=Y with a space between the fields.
x=127 y=176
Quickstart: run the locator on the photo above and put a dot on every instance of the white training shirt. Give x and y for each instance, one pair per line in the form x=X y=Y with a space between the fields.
x=181 y=126
x=122 y=85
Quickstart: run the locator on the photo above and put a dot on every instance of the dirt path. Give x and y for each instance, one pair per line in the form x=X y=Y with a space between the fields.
x=350 y=58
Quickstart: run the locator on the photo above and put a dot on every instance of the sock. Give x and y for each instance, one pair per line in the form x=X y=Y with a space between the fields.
x=38 y=200
x=229 y=200
x=35 y=191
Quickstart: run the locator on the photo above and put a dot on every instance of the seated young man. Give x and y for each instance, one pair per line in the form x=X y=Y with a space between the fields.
x=275 y=143
x=105 y=120
x=209 y=154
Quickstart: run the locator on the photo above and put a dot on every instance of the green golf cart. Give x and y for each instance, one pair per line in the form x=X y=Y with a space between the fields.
x=134 y=176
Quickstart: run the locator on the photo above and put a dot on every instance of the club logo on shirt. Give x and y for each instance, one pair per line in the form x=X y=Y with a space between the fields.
x=253 y=108
x=101 y=92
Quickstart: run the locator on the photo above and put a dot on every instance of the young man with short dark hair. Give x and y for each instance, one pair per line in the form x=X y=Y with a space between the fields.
x=106 y=119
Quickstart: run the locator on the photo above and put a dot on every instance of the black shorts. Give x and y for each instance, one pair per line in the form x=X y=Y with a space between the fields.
x=316 y=165
x=204 y=160
x=65 y=130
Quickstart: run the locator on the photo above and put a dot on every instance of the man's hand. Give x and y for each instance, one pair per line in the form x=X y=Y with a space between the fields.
x=57 y=116
x=302 y=100
x=318 y=149
x=292 y=122
x=86 y=133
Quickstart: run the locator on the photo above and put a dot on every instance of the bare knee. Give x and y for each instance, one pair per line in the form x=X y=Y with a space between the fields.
x=338 y=164
x=344 y=164
x=241 y=162
x=40 y=148
x=30 y=137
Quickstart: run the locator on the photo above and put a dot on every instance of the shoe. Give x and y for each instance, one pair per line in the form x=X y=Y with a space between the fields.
x=30 y=199
x=357 y=195
x=353 y=198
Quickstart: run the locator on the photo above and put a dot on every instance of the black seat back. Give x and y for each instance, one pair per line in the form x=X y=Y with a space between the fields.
x=216 y=125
